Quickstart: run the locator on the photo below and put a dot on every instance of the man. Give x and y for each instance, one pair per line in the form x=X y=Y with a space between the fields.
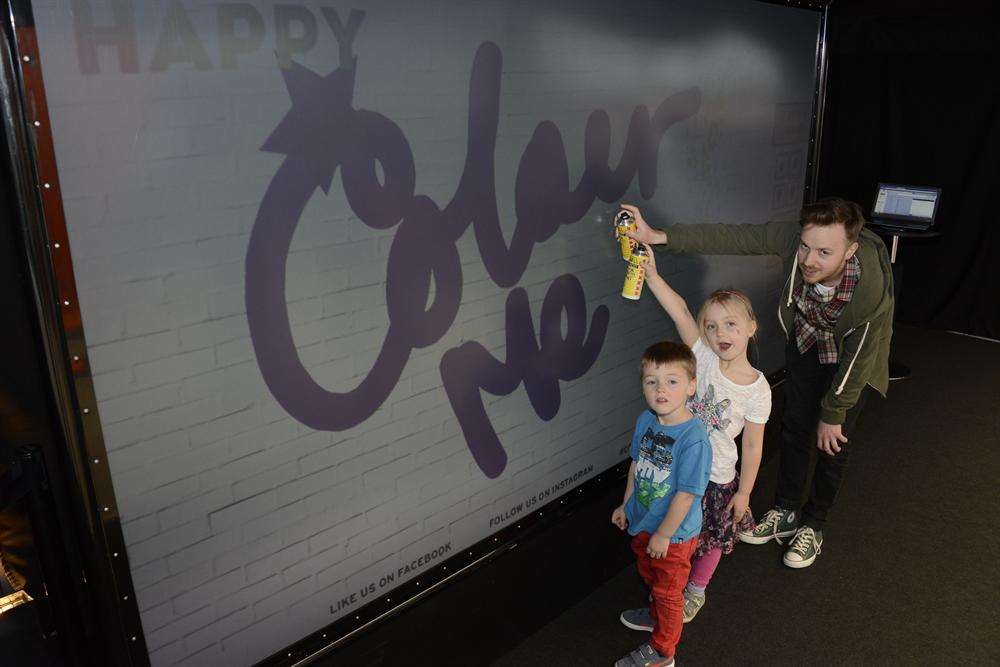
x=836 y=309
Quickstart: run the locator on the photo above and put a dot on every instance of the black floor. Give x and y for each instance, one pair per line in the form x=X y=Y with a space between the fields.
x=909 y=570
x=908 y=576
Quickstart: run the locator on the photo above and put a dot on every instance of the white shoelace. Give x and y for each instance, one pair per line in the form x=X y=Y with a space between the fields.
x=803 y=538
x=770 y=522
x=771 y=519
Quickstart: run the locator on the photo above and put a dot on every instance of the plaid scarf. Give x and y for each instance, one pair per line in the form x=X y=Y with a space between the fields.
x=816 y=314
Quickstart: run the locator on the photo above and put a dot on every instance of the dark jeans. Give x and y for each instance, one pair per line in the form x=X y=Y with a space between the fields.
x=807 y=381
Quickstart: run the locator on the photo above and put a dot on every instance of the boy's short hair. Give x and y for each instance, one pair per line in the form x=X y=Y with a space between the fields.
x=834 y=211
x=669 y=352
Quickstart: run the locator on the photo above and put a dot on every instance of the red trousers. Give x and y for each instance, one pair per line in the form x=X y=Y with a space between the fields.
x=666 y=578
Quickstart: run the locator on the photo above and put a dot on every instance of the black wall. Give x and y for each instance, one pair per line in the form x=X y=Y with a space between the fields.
x=40 y=519
x=912 y=98
x=26 y=418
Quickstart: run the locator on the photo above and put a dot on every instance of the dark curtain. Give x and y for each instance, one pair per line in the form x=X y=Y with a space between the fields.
x=912 y=99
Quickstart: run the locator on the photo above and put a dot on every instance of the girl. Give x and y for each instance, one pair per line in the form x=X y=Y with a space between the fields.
x=732 y=396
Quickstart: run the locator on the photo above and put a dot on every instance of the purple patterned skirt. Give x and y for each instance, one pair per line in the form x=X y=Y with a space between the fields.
x=717 y=529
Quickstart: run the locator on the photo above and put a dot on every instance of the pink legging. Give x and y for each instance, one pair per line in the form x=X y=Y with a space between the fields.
x=703 y=567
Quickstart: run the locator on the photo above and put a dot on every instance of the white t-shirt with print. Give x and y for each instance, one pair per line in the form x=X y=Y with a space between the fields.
x=725 y=407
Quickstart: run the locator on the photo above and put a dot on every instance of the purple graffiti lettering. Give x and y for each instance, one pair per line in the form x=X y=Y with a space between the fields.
x=323 y=132
x=468 y=368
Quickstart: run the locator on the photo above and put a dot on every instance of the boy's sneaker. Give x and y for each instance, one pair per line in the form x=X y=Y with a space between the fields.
x=645 y=656
x=776 y=524
x=804 y=548
x=638 y=619
x=693 y=602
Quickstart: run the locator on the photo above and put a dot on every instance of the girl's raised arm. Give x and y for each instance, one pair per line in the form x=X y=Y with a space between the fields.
x=671 y=301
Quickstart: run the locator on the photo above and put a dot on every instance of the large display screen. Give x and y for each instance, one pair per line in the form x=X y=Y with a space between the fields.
x=347 y=277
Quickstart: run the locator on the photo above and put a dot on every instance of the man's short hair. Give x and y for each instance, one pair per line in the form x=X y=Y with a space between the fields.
x=834 y=211
x=669 y=352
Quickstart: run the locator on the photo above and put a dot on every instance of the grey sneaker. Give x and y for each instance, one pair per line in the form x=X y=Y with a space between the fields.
x=776 y=524
x=645 y=656
x=638 y=619
x=805 y=546
x=692 y=604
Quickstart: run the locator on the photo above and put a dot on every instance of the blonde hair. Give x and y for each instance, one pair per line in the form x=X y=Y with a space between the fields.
x=726 y=298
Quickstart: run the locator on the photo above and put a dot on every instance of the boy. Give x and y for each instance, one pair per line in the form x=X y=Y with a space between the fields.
x=671 y=463
x=836 y=310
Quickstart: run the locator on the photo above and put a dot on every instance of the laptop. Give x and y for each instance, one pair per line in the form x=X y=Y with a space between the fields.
x=905 y=207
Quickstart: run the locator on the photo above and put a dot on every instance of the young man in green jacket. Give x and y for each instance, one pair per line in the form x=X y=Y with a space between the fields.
x=836 y=309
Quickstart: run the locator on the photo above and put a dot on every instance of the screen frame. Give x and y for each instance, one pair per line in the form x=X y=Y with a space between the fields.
x=908 y=220
x=60 y=329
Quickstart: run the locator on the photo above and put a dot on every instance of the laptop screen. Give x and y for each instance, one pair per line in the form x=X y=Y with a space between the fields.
x=904 y=203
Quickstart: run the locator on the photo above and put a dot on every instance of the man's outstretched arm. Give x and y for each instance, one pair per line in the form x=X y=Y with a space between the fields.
x=773 y=238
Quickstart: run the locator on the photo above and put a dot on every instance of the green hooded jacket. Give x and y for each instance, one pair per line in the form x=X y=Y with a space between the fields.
x=864 y=329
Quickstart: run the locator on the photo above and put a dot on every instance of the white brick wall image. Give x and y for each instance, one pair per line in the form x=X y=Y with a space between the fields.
x=243 y=524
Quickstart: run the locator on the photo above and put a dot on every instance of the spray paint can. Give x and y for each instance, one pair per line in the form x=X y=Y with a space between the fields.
x=635 y=275
x=624 y=222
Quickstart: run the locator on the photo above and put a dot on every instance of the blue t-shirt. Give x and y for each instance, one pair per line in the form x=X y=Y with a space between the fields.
x=668 y=459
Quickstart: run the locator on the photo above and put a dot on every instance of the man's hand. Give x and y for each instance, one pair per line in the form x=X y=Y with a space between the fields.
x=658 y=546
x=738 y=505
x=829 y=437
x=644 y=233
x=618 y=517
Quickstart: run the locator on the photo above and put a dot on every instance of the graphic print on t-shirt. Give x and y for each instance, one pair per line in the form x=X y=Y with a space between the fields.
x=713 y=414
x=653 y=467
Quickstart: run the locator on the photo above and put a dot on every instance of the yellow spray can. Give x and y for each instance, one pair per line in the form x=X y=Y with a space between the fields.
x=624 y=222
x=635 y=275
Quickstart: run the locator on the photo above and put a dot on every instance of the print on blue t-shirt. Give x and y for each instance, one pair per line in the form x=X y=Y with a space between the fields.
x=668 y=459
x=653 y=467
